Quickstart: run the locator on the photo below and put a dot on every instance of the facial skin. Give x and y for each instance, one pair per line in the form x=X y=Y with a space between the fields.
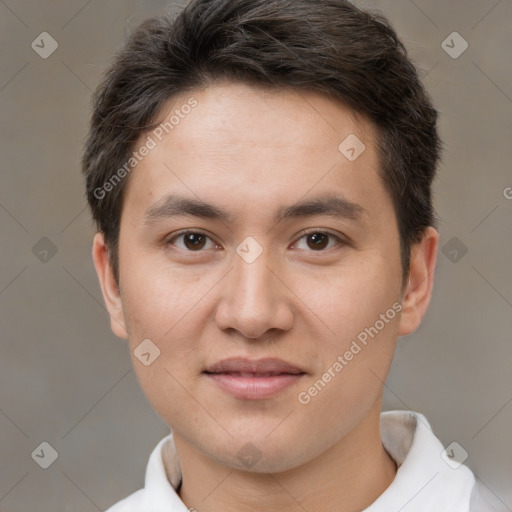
x=252 y=153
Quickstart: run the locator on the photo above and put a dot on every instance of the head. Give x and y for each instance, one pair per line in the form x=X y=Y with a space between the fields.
x=260 y=176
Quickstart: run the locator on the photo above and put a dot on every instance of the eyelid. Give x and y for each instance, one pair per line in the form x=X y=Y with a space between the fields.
x=342 y=240
x=172 y=236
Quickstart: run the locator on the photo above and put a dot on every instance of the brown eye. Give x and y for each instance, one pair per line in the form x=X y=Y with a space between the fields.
x=191 y=241
x=194 y=241
x=317 y=241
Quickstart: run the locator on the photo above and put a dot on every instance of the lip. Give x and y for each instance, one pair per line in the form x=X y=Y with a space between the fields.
x=253 y=379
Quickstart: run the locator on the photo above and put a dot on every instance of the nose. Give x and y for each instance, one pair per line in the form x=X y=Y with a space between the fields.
x=254 y=300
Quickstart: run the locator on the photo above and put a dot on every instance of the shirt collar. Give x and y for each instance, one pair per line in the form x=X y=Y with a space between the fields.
x=423 y=482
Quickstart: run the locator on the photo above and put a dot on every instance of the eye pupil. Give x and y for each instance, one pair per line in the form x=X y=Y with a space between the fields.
x=194 y=240
x=318 y=240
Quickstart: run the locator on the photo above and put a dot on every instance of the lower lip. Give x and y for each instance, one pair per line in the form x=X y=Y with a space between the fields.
x=254 y=388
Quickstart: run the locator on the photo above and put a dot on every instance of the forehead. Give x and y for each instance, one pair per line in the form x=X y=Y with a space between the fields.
x=236 y=112
x=237 y=141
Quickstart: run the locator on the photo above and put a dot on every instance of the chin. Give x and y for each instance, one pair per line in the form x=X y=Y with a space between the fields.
x=257 y=453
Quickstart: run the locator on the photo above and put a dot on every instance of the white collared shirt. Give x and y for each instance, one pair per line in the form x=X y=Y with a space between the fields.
x=426 y=480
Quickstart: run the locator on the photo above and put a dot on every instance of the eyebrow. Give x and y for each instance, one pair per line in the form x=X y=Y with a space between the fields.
x=173 y=205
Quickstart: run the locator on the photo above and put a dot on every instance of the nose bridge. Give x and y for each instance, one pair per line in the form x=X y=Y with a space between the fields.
x=251 y=285
x=252 y=302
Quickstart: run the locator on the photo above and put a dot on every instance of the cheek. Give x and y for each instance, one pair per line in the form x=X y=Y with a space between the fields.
x=168 y=307
x=359 y=304
x=157 y=298
x=354 y=364
x=164 y=309
x=352 y=296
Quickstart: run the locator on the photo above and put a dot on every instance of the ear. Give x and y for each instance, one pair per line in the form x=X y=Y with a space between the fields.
x=109 y=288
x=421 y=280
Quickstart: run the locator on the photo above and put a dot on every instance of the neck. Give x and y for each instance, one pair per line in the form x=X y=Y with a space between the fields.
x=347 y=477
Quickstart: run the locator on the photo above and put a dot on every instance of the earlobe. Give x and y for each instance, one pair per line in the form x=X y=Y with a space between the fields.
x=109 y=288
x=421 y=280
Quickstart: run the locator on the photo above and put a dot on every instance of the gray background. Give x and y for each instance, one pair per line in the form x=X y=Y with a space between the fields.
x=67 y=380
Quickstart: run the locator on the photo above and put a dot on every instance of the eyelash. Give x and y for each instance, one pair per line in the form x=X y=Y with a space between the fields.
x=340 y=241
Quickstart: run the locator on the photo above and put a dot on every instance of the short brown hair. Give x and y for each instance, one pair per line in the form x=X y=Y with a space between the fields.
x=327 y=46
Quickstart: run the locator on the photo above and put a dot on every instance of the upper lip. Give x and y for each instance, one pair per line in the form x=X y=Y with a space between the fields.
x=270 y=366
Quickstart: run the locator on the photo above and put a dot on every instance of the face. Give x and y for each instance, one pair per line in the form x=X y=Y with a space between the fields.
x=262 y=259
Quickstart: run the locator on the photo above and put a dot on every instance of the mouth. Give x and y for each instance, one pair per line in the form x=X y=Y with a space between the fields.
x=253 y=379
x=251 y=374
